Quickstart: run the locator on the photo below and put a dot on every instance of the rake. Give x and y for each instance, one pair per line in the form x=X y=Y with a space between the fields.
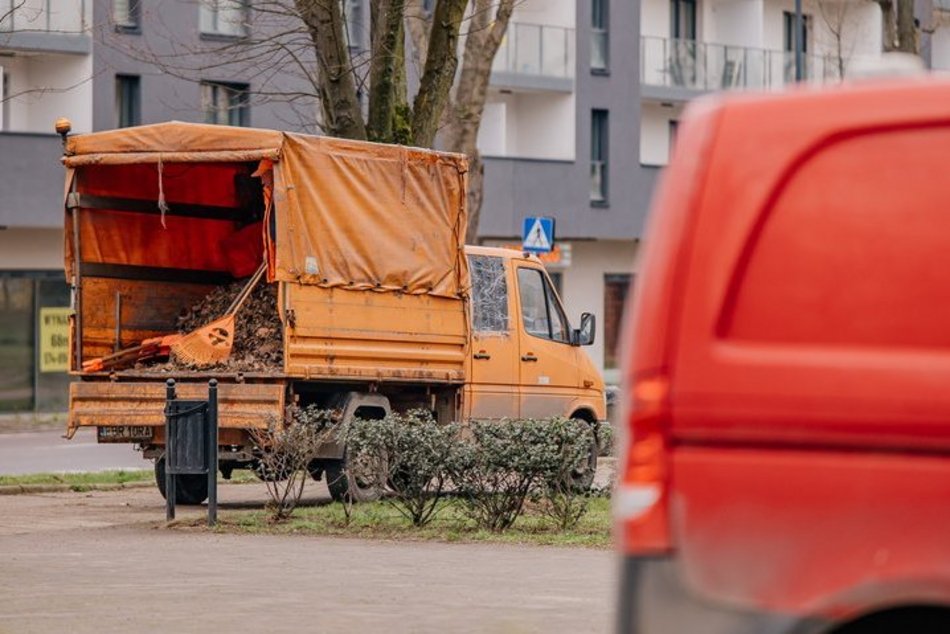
x=213 y=342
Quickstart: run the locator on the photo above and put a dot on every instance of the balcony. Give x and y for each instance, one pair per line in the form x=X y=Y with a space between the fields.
x=535 y=57
x=49 y=26
x=676 y=69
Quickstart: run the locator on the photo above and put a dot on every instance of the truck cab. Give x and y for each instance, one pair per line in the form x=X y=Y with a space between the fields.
x=525 y=360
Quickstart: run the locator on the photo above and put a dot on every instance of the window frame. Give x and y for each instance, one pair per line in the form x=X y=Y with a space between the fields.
x=600 y=155
x=213 y=8
x=123 y=81
x=550 y=295
x=226 y=89
x=134 y=22
x=600 y=28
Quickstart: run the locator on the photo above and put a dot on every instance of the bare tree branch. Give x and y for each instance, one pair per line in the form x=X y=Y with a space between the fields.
x=341 y=107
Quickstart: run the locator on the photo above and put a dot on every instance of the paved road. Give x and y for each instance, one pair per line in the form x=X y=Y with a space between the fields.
x=102 y=562
x=35 y=452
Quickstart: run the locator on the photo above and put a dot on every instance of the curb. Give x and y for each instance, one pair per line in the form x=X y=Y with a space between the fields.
x=27 y=489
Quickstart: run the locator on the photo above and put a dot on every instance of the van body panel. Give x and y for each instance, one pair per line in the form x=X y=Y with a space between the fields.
x=802 y=531
x=797 y=308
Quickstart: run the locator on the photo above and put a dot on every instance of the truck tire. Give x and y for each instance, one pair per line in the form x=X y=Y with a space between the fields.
x=366 y=488
x=191 y=489
x=582 y=476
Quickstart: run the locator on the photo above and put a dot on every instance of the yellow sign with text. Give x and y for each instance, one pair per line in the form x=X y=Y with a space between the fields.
x=54 y=339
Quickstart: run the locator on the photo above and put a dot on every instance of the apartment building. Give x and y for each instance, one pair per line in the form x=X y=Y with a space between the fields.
x=69 y=58
x=560 y=138
x=691 y=47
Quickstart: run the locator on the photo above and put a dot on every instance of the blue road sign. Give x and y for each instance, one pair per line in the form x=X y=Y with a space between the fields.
x=537 y=234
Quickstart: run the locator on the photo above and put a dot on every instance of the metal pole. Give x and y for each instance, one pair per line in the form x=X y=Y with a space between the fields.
x=799 y=42
x=213 y=448
x=77 y=285
x=170 y=480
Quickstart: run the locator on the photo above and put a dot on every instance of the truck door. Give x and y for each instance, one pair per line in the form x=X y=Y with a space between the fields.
x=548 y=369
x=492 y=389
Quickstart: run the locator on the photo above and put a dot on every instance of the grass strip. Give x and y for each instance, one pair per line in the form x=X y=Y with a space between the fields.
x=79 y=481
x=379 y=520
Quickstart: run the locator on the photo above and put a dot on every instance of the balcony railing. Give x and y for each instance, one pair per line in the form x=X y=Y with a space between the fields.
x=44 y=16
x=535 y=49
x=702 y=66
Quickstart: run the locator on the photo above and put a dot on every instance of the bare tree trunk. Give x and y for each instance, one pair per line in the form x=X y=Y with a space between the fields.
x=388 y=39
x=340 y=106
x=439 y=75
x=906 y=28
x=485 y=34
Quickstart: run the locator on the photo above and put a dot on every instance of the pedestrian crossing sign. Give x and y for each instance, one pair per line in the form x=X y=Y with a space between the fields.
x=537 y=234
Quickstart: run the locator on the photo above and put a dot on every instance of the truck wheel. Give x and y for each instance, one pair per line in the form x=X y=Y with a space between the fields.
x=191 y=489
x=367 y=481
x=582 y=476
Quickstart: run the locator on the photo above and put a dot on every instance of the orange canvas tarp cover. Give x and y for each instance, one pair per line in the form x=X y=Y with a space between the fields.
x=349 y=214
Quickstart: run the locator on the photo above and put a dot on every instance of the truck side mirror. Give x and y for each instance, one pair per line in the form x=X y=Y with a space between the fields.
x=584 y=336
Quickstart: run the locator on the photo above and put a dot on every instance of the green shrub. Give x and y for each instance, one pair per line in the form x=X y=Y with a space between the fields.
x=414 y=452
x=497 y=465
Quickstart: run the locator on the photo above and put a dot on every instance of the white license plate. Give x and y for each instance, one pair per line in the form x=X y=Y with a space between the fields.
x=126 y=432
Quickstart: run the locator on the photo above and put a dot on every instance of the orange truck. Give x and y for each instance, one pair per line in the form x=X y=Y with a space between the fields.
x=380 y=305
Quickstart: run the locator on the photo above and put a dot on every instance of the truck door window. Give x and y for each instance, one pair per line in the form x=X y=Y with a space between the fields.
x=540 y=311
x=489 y=294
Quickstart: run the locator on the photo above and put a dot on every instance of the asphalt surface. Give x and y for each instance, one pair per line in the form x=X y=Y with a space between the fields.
x=105 y=562
x=48 y=451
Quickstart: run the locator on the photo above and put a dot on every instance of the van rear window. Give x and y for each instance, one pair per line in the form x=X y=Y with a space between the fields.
x=855 y=249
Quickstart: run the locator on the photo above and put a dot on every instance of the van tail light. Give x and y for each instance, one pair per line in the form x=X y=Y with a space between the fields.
x=642 y=497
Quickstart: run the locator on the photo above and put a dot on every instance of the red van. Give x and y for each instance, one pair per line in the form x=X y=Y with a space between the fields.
x=787 y=459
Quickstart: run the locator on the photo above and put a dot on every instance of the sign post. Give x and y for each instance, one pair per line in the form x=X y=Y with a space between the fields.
x=537 y=234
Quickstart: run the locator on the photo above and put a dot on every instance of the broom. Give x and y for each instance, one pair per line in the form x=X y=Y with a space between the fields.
x=213 y=342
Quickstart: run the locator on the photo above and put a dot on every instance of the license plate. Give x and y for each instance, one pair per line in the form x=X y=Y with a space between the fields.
x=119 y=433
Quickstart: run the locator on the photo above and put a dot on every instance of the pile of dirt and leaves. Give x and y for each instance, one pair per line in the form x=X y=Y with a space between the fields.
x=258 y=340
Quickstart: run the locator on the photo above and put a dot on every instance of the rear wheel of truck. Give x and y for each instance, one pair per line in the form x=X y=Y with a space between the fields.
x=361 y=480
x=190 y=489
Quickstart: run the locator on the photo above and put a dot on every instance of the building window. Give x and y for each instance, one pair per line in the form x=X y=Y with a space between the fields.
x=224 y=17
x=353 y=21
x=683 y=19
x=125 y=14
x=128 y=100
x=598 y=38
x=225 y=104
x=598 y=156
x=34 y=341
x=616 y=288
